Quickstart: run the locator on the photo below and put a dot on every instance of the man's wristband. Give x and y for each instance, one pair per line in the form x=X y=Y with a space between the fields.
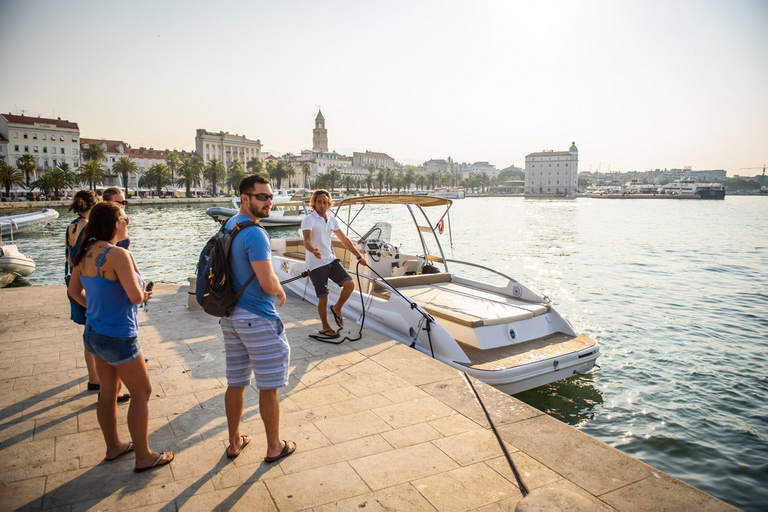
x=359 y=257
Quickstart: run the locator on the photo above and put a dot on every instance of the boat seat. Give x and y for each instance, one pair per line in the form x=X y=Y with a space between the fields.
x=470 y=306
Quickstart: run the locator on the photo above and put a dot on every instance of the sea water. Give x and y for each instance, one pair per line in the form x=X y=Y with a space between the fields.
x=676 y=292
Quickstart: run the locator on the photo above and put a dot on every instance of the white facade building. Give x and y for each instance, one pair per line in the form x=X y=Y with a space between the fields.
x=226 y=147
x=50 y=141
x=552 y=172
x=363 y=160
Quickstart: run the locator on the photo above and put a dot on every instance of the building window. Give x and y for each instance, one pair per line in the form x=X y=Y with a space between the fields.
x=61 y=138
x=25 y=135
x=34 y=136
x=16 y=148
x=26 y=149
x=45 y=149
x=77 y=163
x=62 y=151
x=34 y=149
x=74 y=151
x=15 y=135
x=44 y=136
x=55 y=162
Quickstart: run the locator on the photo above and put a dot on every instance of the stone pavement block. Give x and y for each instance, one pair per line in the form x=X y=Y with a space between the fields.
x=247 y=497
x=314 y=487
x=379 y=384
x=320 y=395
x=661 y=488
x=466 y=488
x=398 y=497
x=360 y=404
x=23 y=495
x=235 y=475
x=533 y=473
x=572 y=454
x=455 y=424
x=362 y=447
x=402 y=465
x=404 y=394
x=101 y=482
x=470 y=447
x=60 y=407
x=352 y=426
x=416 y=411
x=26 y=455
x=45 y=357
x=564 y=495
x=37 y=470
x=194 y=458
x=307 y=416
x=47 y=428
x=408 y=436
x=15 y=432
x=303 y=460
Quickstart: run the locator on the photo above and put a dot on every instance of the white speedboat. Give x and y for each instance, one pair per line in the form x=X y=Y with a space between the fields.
x=448 y=192
x=27 y=221
x=283 y=214
x=505 y=335
x=13 y=264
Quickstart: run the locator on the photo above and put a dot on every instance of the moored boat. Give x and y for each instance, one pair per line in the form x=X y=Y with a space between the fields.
x=505 y=335
x=688 y=187
x=283 y=214
x=13 y=264
x=27 y=221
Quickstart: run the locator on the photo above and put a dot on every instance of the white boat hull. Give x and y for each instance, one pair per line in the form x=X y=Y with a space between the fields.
x=396 y=319
x=26 y=221
x=13 y=264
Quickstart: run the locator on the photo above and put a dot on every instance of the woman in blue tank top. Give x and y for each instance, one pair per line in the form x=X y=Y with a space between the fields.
x=106 y=280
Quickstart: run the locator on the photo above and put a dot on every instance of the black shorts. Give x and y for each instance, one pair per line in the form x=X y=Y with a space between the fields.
x=320 y=275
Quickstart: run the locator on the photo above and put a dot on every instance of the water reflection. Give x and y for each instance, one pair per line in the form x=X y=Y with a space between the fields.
x=573 y=401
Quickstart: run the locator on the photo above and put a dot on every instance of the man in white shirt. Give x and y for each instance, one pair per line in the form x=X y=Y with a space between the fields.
x=321 y=262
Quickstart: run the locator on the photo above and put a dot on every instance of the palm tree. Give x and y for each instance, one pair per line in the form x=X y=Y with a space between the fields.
x=125 y=166
x=369 y=178
x=290 y=172
x=173 y=162
x=254 y=166
x=389 y=176
x=421 y=181
x=94 y=152
x=408 y=178
x=27 y=164
x=9 y=177
x=235 y=175
x=278 y=172
x=380 y=180
x=189 y=173
x=62 y=178
x=213 y=172
x=306 y=170
x=92 y=173
x=333 y=177
x=322 y=180
x=349 y=181
x=45 y=183
x=158 y=176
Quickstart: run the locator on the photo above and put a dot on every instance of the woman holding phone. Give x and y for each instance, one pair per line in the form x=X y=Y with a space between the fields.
x=106 y=280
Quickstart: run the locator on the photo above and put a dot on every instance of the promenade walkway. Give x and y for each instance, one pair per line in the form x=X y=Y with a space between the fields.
x=379 y=426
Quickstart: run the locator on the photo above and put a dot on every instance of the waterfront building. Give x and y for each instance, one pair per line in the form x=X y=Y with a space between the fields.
x=378 y=160
x=320 y=135
x=114 y=150
x=146 y=158
x=226 y=147
x=552 y=172
x=509 y=187
x=49 y=141
x=3 y=148
x=436 y=166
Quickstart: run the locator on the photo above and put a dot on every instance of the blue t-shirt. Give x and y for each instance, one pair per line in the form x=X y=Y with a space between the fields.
x=252 y=244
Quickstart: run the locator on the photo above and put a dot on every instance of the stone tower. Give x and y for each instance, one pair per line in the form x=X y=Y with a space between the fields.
x=320 y=134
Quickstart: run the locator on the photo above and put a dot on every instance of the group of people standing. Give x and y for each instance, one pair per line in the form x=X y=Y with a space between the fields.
x=105 y=287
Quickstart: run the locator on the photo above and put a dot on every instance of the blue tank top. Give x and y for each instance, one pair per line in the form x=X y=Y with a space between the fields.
x=108 y=309
x=72 y=249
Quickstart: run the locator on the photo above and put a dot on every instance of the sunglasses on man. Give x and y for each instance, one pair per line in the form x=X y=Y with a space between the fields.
x=261 y=197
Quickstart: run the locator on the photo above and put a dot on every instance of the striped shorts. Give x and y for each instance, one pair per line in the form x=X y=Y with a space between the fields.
x=255 y=344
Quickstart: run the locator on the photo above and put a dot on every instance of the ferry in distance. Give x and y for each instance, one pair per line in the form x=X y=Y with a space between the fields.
x=688 y=187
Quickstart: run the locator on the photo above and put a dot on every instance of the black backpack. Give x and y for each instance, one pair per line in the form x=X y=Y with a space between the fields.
x=214 y=290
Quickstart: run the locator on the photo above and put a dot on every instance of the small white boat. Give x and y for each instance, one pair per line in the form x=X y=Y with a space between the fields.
x=27 y=221
x=283 y=214
x=13 y=264
x=506 y=336
x=448 y=192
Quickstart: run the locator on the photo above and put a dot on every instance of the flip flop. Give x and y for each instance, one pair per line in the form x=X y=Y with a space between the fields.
x=120 y=398
x=158 y=462
x=246 y=440
x=331 y=335
x=128 y=449
x=288 y=449
x=339 y=320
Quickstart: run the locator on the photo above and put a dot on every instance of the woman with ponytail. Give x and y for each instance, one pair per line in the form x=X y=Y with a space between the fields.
x=106 y=280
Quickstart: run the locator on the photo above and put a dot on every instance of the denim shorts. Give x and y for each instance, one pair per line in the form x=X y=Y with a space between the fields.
x=114 y=351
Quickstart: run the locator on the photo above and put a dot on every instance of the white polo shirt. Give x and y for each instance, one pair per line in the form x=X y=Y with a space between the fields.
x=322 y=232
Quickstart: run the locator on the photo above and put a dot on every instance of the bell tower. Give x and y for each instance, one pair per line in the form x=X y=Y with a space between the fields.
x=320 y=134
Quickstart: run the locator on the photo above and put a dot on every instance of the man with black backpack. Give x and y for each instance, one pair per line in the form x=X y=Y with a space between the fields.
x=254 y=336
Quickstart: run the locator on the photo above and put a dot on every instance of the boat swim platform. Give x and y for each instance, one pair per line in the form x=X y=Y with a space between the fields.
x=378 y=426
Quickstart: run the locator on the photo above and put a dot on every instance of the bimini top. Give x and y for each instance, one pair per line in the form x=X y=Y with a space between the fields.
x=401 y=199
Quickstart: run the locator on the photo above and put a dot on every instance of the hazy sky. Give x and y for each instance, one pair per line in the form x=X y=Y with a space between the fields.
x=637 y=84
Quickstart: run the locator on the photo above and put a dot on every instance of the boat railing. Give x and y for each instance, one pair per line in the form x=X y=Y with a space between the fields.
x=482 y=267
